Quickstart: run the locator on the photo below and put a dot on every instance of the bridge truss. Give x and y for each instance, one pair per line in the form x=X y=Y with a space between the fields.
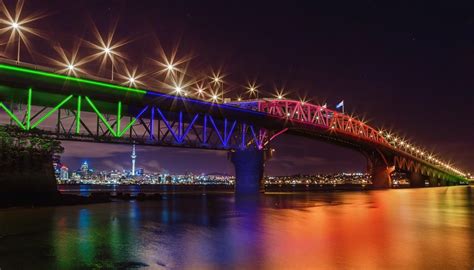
x=81 y=118
x=70 y=108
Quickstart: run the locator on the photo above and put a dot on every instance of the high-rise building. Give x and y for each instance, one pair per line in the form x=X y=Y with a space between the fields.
x=133 y=156
x=64 y=173
x=84 y=169
x=139 y=171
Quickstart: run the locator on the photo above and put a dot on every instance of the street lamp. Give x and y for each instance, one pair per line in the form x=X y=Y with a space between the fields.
x=16 y=29
x=280 y=94
x=131 y=80
x=131 y=77
x=178 y=89
x=252 y=89
x=107 y=48
x=108 y=53
x=18 y=26
x=217 y=80
x=200 y=89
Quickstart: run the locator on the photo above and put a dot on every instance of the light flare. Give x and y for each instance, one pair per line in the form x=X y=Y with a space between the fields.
x=18 y=26
x=131 y=77
x=171 y=65
x=69 y=62
x=252 y=89
x=107 y=49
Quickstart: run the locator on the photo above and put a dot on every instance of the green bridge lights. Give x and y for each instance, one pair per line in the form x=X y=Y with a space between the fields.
x=117 y=132
x=78 y=115
x=69 y=78
x=28 y=125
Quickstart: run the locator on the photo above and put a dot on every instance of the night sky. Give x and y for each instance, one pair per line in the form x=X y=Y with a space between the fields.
x=406 y=67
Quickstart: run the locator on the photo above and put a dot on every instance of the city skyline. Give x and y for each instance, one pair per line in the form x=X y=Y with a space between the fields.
x=156 y=159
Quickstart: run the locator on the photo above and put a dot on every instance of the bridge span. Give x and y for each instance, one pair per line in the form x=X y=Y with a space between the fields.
x=38 y=99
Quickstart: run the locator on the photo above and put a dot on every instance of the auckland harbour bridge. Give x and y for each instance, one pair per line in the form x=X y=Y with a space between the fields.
x=40 y=100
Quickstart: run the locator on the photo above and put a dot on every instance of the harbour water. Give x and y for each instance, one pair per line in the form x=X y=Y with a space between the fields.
x=427 y=228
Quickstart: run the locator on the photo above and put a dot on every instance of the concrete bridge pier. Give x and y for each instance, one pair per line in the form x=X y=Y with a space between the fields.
x=416 y=179
x=249 y=167
x=381 y=178
x=379 y=170
x=434 y=182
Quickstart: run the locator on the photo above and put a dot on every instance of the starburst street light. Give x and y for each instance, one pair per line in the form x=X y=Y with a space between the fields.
x=170 y=64
x=68 y=63
x=214 y=95
x=18 y=26
x=107 y=48
x=132 y=77
x=304 y=101
x=217 y=80
x=200 y=89
x=252 y=89
x=280 y=94
x=178 y=89
x=179 y=84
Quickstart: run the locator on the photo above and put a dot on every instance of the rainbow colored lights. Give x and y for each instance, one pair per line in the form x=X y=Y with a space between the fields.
x=288 y=110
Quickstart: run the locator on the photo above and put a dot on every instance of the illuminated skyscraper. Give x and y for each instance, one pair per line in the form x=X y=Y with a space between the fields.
x=133 y=156
x=84 y=171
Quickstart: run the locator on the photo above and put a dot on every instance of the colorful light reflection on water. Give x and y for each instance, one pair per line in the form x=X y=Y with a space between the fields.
x=429 y=228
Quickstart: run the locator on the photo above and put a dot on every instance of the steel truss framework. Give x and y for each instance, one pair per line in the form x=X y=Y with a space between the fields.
x=334 y=121
x=411 y=165
x=150 y=125
x=320 y=116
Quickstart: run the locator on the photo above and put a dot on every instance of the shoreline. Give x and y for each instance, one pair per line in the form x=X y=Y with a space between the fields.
x=79 y=194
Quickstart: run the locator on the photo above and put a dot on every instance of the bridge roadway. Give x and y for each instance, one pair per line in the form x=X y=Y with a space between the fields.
x=90 y=109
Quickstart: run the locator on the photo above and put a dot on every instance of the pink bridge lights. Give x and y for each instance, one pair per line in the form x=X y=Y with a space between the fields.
x=316 y=116
x=321 y=117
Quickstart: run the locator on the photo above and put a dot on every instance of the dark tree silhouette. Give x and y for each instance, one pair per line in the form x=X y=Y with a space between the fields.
x=26 y=160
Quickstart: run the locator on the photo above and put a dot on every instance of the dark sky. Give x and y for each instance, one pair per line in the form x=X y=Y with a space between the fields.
x=403 y=66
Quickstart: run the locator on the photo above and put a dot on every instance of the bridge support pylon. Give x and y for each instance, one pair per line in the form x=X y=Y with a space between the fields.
x=416 y=179
x=434 y=182
x=381 y=176
x=249 y=167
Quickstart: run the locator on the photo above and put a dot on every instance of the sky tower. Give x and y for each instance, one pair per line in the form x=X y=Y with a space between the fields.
x=133 y=156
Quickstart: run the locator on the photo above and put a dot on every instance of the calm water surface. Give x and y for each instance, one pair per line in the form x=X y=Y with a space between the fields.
x=430 y=228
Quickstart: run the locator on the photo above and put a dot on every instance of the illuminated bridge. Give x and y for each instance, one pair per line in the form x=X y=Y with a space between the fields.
x=78 y=109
